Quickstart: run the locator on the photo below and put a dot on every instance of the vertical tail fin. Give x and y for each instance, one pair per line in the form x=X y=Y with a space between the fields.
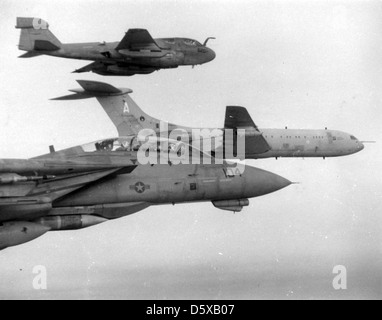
x=126 y=115
x=35 y=35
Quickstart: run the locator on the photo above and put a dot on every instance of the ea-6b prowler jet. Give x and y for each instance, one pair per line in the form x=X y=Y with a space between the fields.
x=137 y=53
x=131 y=121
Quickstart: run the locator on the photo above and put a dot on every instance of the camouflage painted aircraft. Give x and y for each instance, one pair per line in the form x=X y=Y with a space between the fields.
x=131 y=121
x=137 y=53
x=87 y=185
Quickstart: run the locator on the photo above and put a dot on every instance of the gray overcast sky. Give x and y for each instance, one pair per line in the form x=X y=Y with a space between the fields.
x=305 y=64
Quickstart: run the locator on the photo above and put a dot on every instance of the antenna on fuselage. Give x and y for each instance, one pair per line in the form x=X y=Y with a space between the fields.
x=208 y=39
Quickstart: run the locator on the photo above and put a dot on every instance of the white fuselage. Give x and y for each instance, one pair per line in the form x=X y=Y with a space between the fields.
x=308 y=143
x=291 y=143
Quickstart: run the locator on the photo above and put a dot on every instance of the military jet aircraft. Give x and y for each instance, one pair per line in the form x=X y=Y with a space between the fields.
x=137 y=53
x=86 y=185
x=130 y=120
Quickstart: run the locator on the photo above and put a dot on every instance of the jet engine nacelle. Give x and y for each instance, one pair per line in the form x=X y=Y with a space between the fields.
x=16 y=233
x=231 y=205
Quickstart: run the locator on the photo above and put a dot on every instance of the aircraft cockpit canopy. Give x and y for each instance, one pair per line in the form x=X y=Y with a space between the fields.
x=112 y=145
x=193 y=43
x=170 y=40
x=181 y=41
x=131 y=144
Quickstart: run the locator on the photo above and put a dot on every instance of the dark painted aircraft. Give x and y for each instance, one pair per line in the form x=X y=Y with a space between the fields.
x=91 y=184
x=130 y=121
x=137 y=53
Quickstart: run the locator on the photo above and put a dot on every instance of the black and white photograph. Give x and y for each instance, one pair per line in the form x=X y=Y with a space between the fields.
x=215 y=151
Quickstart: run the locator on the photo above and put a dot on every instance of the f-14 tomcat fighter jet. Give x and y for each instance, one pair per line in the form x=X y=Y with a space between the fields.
x=87 y=185
x=131 y=121
x=137 y=53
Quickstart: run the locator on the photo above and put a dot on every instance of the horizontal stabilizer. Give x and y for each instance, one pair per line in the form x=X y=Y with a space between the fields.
x=31 y=23
x=96 y=87
x=30 y=54
x=76 y=96
x=126 y=115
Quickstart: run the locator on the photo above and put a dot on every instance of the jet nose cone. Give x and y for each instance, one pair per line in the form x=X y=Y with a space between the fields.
x=260 y=182
x=276 y=182
x=357 y=148
x=211 y=55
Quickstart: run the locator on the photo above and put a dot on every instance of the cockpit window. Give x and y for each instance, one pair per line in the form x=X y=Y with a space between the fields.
x=169 y=41
x=193 y=43
x=118 y=144
x=106 y=145
x=353 y=138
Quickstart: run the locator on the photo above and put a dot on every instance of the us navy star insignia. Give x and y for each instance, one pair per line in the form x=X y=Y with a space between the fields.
x=140 y=187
